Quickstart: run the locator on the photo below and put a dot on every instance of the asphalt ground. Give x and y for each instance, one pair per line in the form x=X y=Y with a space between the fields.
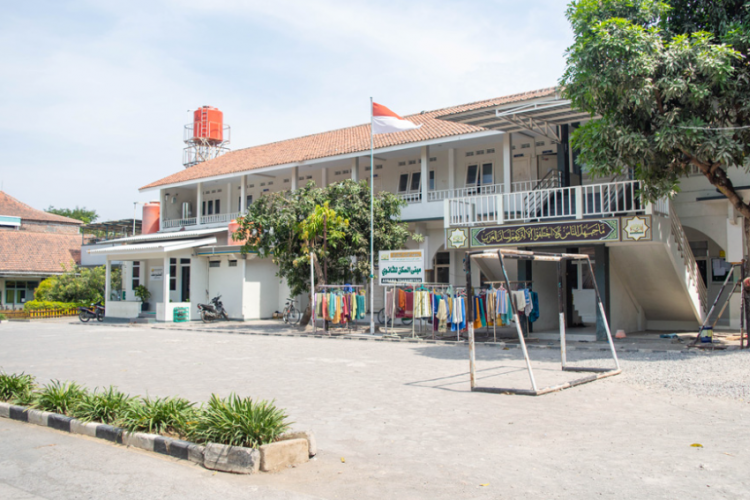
x=392 y=419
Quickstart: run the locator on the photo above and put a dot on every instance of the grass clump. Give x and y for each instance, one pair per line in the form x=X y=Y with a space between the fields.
x=15 y=386
x=105 y=407
x=59 y=397
x=2 y=317
x=237 y=421
x=158 y=416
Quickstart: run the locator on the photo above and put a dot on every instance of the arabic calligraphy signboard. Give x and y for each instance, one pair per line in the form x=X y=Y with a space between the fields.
x=589 y=231
x=401 y=266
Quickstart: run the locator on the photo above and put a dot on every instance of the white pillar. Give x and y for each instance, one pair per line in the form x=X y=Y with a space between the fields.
x=355 y=169
x=324 y=177
x=451 y=169
x=229 y=198
x=295 y=175
x=243 y=194
x=162 y=208
x=107 y=280
x=507 y=162
x=425 y=175
x=199 y=208
x=165 y=285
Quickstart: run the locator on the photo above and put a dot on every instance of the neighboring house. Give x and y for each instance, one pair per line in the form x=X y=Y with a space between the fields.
x=34 y=245
x=492 y=173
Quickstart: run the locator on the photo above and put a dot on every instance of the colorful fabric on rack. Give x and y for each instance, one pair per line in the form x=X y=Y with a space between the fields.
x=408 y=305
x=527 y=298
x=520 y=300
x=502 y=301
x=442 y=315
x=535 y=307
x=402 y=299
x=361 y=307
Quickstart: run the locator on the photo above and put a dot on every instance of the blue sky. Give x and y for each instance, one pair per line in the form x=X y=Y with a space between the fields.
x=95 y=93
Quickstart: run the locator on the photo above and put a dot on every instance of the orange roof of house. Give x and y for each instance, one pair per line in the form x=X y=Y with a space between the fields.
x=14 y=208
x=337 y=142
x=42 y=253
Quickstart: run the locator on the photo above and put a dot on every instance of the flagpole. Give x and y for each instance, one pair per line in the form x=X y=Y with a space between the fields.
x=372 y=226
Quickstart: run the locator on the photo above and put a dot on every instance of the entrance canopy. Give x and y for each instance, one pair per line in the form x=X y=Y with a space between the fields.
x=540 y=117
x=159 y=247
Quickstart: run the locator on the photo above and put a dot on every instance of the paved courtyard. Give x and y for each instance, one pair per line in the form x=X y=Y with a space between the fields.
x=392 y=420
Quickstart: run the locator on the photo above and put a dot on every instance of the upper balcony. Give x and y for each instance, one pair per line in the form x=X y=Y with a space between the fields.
x=548 y=203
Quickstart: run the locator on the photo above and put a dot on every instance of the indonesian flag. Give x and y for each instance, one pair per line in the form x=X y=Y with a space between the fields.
x=385 y=121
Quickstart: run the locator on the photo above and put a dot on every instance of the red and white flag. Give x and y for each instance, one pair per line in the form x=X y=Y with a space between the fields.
x=385 y=121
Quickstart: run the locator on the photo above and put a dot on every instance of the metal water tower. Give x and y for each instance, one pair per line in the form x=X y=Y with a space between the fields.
x=206 y=138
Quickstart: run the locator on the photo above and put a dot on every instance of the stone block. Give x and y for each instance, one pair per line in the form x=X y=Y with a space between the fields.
x=109 y=433
x=83 y=428
x=19 y=413
x=231 y=458
x=281 y=454
x=139 y=440
x=59 y=422
x=5 y=410
x=195 y=453
x=172 y=447
x=38 y=417
x=311 y=443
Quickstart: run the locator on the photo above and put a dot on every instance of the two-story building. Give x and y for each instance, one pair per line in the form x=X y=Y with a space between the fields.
x=481 y=175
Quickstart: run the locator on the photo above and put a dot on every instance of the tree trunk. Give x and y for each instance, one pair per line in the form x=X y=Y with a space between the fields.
x=307 y=315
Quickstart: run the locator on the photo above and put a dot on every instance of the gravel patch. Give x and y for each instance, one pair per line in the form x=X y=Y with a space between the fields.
x=723 y=374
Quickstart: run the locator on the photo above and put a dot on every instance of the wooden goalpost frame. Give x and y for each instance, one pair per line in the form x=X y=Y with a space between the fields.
x=560 y=258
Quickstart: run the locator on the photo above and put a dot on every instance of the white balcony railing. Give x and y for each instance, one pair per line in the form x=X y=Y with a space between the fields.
x=170 y=223
x=205 y=219
x=543 y=204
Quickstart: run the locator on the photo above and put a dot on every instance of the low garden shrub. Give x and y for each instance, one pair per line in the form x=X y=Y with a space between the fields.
x=36 y=305
x=14 y=386
x=238 y=421
x=2 y=317
x=234 y=420
x=59 y=397
x=159 y=416
x=105 y=407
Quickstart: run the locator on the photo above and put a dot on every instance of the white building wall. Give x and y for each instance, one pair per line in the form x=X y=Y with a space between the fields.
x=261 y=289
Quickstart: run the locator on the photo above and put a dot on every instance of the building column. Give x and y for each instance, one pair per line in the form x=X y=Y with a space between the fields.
x=165 y=287
x=425 y=169
x=199 y=202
x=507 y=163
x=451 y=169
x=107 y=280
x=355 y=169
x=601 y=275
x=243 y=194
x=324 y=177
x=295 y=176
x=229 y=198
x=162 y=209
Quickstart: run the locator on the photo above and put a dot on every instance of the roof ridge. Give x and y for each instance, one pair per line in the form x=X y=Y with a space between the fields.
x=39 y=215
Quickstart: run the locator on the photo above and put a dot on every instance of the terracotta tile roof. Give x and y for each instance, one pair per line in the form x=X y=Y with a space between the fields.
x=14 y=208
x=337 y=142
x=43 y=253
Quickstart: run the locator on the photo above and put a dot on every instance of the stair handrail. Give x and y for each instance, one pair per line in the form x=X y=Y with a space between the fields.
x=687 y=253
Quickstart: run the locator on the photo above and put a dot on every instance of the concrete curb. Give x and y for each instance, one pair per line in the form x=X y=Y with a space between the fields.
x=463 y=343
x=212 y=456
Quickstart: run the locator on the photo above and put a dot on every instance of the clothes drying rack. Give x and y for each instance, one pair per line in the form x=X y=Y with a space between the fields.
x=314 y=304
x=413 y=286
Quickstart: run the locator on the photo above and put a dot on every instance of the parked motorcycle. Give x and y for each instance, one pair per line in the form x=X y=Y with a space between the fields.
x=213 y=311
x=93 y=311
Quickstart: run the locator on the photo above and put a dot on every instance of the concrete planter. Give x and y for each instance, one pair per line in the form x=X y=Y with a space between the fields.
x=293 y=448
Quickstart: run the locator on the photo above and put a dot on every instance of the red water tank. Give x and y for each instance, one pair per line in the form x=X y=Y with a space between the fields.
x=208 y=123
x=150 y=222
x=233 y=228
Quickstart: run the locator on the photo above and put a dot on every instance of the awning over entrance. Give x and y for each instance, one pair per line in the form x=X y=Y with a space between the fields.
x=540 y=116
x=174 y=235
x=160 y=247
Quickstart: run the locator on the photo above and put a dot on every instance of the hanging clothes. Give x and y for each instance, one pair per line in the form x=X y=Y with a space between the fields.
x=534 y=315
x=442 y=315
x=527 y=297
x=362 y=308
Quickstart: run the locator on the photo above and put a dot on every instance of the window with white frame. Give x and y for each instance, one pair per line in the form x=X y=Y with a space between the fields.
x=479 y=174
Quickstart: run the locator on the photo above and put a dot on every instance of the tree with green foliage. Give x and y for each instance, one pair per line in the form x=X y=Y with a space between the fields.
x=670 y=84
x=78 y=213
x=287 y=226
x=78 y=284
